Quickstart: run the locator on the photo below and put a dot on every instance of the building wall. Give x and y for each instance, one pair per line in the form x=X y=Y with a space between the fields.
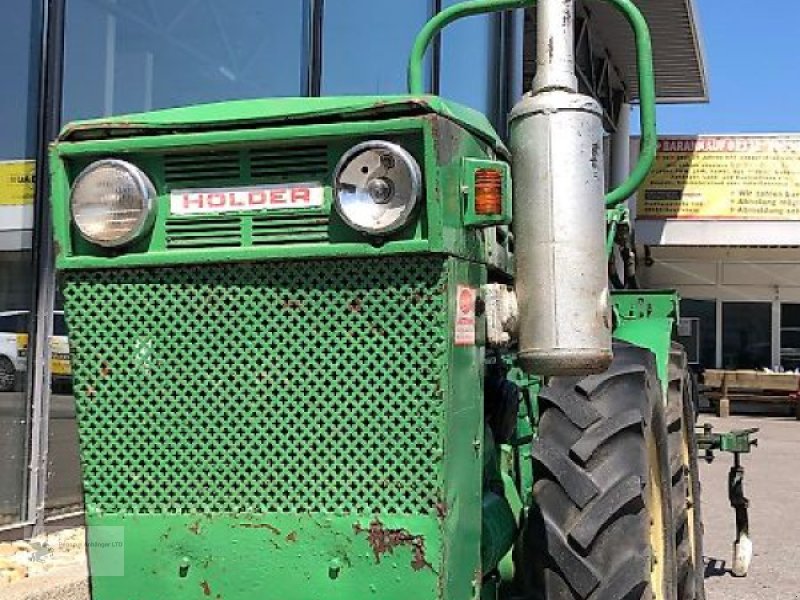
x=20 y=35
x=718 y=216
x=744 y=285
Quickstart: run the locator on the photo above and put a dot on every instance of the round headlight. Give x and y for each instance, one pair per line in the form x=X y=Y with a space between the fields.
x=377 y=186
x=112 y=202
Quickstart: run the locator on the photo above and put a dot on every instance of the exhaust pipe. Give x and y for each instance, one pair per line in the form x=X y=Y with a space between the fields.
x=556 y=139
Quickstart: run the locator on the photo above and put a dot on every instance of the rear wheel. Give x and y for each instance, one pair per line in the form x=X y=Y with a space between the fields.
x=685 y=478
x=601 y=528
x=8 y=374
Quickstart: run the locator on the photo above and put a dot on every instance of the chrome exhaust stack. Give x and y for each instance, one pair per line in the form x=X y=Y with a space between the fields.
x=556 y=139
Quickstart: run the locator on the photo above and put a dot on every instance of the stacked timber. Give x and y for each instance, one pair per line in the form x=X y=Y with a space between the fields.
x=753 y=387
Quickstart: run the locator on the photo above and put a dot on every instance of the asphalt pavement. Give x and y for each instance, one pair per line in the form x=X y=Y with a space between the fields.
x=772 y=483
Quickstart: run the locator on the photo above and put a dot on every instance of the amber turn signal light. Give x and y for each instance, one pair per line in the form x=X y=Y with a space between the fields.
x=488 y=192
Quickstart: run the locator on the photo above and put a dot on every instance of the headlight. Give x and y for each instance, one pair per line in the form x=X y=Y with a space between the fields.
x=377 y=185
x=112 y=202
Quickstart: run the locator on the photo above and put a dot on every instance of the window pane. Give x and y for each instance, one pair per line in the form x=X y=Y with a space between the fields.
x=366 y=44
x=704 y=338
x=19 y=42
x=746 y=335
x=790 y=336
x=20 y=37
x=127 y=55
x=59 y=326
x=471 y=62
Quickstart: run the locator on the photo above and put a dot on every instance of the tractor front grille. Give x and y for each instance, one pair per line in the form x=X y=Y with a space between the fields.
x=204 y=232
x=258 y=164
x=287 y=387
x=229 y=230
x=247 y=166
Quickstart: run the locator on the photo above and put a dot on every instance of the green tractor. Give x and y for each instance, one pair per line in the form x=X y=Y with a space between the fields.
x=356 y=347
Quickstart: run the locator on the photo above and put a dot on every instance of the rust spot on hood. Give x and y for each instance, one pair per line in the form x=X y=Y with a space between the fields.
x=384 y=540
x=355 y=305
x=272 y=528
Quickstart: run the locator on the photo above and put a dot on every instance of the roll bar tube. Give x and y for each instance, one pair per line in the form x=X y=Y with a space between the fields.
x=644 y=63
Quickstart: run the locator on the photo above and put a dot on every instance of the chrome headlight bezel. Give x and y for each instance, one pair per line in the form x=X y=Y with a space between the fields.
x=143 y=187
x=413 y=172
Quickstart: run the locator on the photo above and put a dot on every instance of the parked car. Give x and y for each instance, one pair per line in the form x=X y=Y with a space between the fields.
x=14 y=348
x=60 y=365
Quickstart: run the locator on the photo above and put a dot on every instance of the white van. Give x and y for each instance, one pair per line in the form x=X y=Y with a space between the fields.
x=14 y=348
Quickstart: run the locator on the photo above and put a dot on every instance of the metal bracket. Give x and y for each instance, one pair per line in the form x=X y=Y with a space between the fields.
x=736 y=442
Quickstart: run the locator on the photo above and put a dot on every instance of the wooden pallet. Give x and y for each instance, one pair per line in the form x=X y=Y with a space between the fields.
x=726 y=386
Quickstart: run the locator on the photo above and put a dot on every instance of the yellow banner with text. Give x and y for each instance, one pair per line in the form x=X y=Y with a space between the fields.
x=17 y=182
x=724 y=177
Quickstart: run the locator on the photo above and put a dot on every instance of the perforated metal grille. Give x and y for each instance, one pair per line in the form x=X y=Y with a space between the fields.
x=272 y=387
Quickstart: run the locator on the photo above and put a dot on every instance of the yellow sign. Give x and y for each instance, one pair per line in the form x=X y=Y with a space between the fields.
x=724 y=177
x=22 y=345
x=17 y=182
x=60 y=363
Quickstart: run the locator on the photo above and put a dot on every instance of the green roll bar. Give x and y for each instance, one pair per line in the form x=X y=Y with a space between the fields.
x=644 y=62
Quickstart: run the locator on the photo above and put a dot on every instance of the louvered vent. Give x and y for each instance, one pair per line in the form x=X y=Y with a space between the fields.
x=200 y=168
x=290 y=229
x=302 y=163
x=203 y=232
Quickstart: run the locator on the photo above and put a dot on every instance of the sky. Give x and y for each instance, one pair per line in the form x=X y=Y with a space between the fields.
x=752 y=52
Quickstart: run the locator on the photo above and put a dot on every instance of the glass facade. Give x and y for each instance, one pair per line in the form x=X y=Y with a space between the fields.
x=127 y=56
x=790 y=336
x=701 y=341
x=131 y=56
x=122 y=56
x=470 y=61
x=366 y=44
x=746 y=335
x=20 y=40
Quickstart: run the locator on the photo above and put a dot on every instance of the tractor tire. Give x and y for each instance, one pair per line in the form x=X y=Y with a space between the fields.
x=8 y=375
x=685 y=478
x=601 y=525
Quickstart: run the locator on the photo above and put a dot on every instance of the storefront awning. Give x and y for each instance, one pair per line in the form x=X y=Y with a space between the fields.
x=679 y=61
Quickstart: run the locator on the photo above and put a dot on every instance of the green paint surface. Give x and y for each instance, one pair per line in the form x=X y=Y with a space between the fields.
x=279 y=112
x=273 y=422
x=646 y=319
x=255 y=555
x=229 y=159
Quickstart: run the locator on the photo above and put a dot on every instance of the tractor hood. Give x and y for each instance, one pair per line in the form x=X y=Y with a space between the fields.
x=248 y=114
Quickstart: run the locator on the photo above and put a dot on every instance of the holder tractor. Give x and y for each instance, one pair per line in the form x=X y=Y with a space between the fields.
x=357 y=347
